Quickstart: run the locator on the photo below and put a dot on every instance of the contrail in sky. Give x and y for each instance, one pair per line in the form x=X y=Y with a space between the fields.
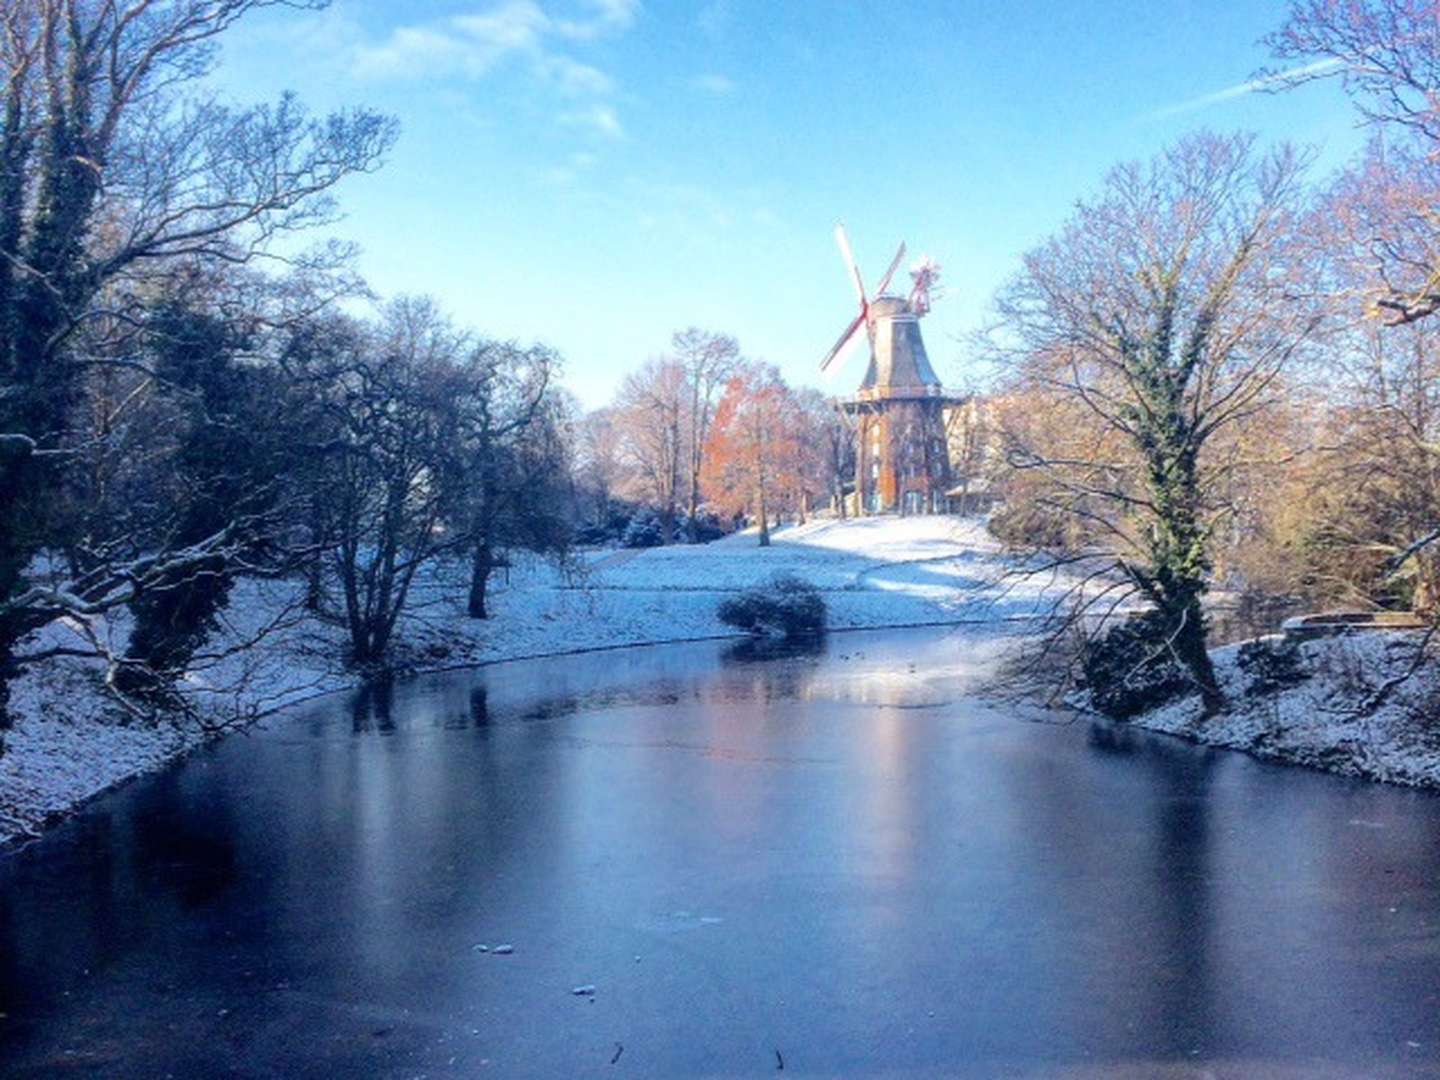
x=1250 y=86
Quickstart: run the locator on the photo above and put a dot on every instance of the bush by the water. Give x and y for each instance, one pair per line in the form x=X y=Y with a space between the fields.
x=1127 y=671
x=705 y=527
x=644 y=531
x=610 y=525
x=786 y=605
x=1272 y=664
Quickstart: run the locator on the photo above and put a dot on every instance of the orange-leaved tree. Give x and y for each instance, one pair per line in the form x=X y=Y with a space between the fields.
x=752 y=450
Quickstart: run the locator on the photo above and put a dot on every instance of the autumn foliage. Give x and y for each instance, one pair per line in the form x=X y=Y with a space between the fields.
x=753 y=455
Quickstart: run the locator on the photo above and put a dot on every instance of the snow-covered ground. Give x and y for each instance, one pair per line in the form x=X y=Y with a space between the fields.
x=69 y=742
x=1340 y=716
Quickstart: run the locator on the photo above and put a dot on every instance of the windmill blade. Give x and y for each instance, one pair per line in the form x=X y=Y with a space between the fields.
x=831 y=363
x=895 y=262
x=849 y=257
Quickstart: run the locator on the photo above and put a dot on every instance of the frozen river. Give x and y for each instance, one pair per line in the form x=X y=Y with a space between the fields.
x=840 y=863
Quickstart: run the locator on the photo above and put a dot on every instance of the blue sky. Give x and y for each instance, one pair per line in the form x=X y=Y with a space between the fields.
x=594 y=174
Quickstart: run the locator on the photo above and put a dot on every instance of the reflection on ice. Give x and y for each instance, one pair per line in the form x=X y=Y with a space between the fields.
x=836 y=849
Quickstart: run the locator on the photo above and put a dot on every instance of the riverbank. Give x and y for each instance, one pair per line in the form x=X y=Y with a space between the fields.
x=1356 y=704
x=71 y=741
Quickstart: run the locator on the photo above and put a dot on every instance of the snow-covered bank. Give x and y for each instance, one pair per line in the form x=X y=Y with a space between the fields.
x=69 y=742
x=1352 y=711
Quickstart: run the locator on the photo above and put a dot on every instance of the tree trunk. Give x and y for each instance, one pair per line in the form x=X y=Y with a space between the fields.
x=481 y=564
x=1190 y=647
x=672 y=494
x=764 y=521
x=314 y=569
x=697 y=454
x=694 y=525
x=356 y=613
x=314 y=587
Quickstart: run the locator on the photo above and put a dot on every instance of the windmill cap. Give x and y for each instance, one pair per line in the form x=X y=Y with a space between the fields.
x=889 y=306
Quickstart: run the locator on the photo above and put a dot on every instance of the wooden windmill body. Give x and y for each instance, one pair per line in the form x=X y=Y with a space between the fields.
x=902 y=460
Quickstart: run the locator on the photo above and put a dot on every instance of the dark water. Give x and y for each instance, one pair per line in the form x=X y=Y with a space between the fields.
x=840 y=857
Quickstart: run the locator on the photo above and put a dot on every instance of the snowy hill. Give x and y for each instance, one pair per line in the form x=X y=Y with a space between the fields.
x=917 y=559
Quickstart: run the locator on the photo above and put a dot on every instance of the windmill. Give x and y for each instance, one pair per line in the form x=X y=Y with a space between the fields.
x=902 y=462
x=924 y=274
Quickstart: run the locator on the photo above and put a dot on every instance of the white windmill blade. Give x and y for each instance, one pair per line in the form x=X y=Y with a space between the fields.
x=849 y=257
x=894 y=263
x=832 y=362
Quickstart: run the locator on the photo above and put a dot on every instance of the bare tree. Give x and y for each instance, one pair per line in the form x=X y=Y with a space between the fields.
x=114 y=168
x=707 y=359
x=1381 y=219
x=972 y=446
x=651 y=411
x=1378 y=230
x=1386 y=54
x=1362 y=512
x=599 y=468
x=827 y=447
x=508 y=489
x=392 y=403
x=1163 y=312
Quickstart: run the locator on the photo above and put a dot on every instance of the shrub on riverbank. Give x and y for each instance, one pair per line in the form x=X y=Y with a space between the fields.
x=1126 y=674
x=786 y=606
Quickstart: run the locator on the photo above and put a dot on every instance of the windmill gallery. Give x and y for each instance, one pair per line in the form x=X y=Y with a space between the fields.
x=902 y=418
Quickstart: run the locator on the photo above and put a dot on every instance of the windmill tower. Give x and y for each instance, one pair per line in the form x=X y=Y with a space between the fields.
x=901 y=457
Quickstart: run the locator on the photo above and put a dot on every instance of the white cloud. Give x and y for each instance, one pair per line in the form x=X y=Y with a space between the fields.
x=1251 y=86
x=713 y=83
x=607 y=16
x=599 y=119
x=473 y=44
x=574 y=78
x=568 y=174
x=461 y=45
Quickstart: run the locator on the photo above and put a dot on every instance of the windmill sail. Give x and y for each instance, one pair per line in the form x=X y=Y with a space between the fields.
x=849 y=257
x=831 y=363
x=890 y=272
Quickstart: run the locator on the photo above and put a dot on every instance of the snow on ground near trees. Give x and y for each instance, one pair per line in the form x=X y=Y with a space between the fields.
x=69 y=742
x=1330 y=720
